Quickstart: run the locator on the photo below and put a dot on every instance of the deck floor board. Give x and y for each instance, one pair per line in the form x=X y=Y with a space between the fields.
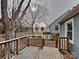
x=36 y=53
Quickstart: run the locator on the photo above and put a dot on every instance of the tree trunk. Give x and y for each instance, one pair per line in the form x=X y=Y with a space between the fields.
x=8 y=23
x=10 y=34
x=31 y=28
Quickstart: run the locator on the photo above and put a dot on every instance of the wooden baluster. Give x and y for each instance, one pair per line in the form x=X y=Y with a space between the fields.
x=68 y=44
x=64 y=43
x=9 y=47
x=59 y=43
x=28 y=42
x=0 y=51
x=17 y=50
x=14 y=47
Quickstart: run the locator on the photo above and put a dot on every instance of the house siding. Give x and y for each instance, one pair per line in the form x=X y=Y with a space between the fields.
x=56 y=22
x=62 y=31
x=52 y=28
x=75 y=46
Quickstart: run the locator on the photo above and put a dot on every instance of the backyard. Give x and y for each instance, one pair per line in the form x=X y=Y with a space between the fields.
x=39 y=29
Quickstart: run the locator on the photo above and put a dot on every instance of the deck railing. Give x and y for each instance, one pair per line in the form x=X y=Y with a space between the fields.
x=12 y=47
x=63 y=43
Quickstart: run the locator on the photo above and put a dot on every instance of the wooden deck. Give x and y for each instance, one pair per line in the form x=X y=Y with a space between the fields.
x=36 y=53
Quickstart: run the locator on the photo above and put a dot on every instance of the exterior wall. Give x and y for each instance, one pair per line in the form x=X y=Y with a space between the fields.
x=56 y=22
x=52 y=29
x=62 y=30
x=75 y=46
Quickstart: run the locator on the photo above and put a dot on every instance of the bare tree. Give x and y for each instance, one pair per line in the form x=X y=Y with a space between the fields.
x=34 y=13
x=11 y=24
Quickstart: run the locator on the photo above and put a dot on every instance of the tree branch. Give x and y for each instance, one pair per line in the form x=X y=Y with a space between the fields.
x=34 y=17
x=22 y=15
x=16 y=13
x=28 y=23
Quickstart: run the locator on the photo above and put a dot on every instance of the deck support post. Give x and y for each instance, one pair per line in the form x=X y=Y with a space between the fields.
x=42 y=43
x=57 y=40
x=17 y=51
x=0 y=51
x=28 y=42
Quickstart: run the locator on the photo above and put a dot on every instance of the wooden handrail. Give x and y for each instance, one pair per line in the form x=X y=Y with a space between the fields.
x=14 y=39
x=63 y=43
x=17 y=44
x=8 y=44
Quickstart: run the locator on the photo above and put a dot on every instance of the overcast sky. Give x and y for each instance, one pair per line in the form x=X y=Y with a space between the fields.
x=57 y=7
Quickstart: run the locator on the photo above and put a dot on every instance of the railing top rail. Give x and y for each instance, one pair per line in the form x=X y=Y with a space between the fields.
x=14 y=39
x=63 y=37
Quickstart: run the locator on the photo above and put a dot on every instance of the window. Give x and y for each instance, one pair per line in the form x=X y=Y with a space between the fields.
x=56 y=27
x=36 y=28
x=69 y=29
x=69 y=32
x=42 y=28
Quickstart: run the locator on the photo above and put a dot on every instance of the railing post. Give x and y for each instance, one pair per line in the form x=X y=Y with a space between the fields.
x=0 y=51
x=68 y=46
x=57 y=39
x=42 y=44
x=28 y=42
x=17 y=50
x=64 y=43
x=59 y=43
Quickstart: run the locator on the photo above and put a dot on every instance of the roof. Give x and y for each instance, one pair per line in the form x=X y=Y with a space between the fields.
x=72 y=13
x=59 y=18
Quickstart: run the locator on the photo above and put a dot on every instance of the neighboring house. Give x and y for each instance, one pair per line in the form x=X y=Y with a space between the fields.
x=36 y=27
x=54 y=27
x=47 y=35
x=41 y=30
x=69 y=27
x=41 y=27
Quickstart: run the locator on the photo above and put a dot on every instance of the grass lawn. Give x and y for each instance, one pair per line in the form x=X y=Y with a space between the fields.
x=18 y=34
